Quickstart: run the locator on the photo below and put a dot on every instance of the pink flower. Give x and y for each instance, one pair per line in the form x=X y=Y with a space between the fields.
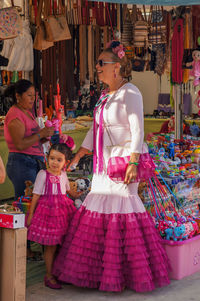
x=119 y=50
x=121 y=54
x=68 y=140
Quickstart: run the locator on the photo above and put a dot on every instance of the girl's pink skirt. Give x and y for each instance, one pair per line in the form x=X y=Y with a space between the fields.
x=51 y=220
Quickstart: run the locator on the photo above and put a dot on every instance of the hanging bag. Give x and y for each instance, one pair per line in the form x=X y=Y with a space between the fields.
x=56 y=25
x=40 y=42
x=157 y=25
x=119 y=161
x=140 y=31
x=10 y=22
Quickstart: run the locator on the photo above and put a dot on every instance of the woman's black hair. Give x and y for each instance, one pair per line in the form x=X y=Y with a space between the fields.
x=62 y=148
x=20 y=87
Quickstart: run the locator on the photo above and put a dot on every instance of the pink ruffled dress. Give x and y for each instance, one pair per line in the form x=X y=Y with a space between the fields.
x=112 y=242
x=54 y=210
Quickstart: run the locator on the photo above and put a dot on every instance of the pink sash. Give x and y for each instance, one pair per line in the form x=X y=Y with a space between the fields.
x=102 y=101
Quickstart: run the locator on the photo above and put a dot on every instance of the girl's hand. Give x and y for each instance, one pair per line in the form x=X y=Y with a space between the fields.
x=29 y=219
x=131 y=173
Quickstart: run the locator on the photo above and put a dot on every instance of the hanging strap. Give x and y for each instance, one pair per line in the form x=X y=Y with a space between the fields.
x=57 y=10
x=110 y=20
x=38 y=19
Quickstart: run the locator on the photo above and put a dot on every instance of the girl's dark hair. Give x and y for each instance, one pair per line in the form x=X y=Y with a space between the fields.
x=62 y=148
x=20 y=87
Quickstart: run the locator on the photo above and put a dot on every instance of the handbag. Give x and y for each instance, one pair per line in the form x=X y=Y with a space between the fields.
x=11 y=23
x=56 y=25
x=117 y=164
x=40 y=42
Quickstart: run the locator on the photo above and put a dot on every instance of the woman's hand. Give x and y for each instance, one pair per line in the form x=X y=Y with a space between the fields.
x=131 y=173
x=29 y=219
x=46 y=132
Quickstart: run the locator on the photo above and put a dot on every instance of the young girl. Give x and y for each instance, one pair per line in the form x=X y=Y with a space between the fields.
x=51 y=210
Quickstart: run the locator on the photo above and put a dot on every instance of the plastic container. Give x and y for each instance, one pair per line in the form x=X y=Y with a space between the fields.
x=184 y=256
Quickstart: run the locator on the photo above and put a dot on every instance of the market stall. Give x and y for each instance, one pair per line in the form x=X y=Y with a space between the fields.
x=145 y=32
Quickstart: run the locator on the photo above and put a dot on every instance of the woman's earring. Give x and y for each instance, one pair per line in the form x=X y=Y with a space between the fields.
x=115 y=75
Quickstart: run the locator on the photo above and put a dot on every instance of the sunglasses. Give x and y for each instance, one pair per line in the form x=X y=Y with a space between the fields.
x=101 y=63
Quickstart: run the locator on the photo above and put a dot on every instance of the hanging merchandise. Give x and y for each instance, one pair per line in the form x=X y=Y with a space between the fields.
x=195 y=24
x=82 y=52
x=91 y=52
x=19 y=50
x=40 y=42
x=127 y=26
x=85 y=13
x=138 y=65
x=157 y=29
x=11 y=23
x=160 y=50
x=140 y=33
x=56 y=24
x=195 y=64
x=186 y=46
x=177 y=52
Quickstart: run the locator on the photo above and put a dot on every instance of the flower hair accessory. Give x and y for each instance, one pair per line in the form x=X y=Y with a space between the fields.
x=68 y=140
x=117 y=48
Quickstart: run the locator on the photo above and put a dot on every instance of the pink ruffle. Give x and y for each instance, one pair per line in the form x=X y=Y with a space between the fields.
x=50 y=222
x=111 y=252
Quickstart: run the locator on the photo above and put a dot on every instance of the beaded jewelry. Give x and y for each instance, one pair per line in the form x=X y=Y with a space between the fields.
x=133 y=163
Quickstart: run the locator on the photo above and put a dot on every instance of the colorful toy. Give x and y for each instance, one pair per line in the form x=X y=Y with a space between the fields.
x=195 y=71
x=171 y=148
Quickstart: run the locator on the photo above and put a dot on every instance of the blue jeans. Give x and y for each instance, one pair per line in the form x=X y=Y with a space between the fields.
x=20 y=168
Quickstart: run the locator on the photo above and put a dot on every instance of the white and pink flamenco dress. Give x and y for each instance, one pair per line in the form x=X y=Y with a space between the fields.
x=112 y=242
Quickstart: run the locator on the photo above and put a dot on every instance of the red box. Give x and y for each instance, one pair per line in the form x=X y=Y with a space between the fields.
x=11 y=220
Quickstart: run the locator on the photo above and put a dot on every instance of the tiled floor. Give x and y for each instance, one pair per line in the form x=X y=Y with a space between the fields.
x=187 y=289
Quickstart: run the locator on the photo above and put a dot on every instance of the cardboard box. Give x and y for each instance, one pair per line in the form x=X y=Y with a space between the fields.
x=11 y=220
x=184 y=256
x=13 y=264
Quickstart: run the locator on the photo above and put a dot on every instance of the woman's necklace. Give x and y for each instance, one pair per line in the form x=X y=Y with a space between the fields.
x=102 y=99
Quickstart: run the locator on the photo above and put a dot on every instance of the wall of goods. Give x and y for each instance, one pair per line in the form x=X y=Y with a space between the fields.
x=66 y=61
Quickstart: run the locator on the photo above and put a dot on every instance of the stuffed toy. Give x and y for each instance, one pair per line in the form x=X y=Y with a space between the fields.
x=29 y=188
x=195 y=71
x=194 y=129
x=73 y=186
x=83 y=184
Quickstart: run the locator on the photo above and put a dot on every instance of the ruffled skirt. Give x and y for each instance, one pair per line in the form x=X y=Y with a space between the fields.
x=51 y=219
x=111 y=250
